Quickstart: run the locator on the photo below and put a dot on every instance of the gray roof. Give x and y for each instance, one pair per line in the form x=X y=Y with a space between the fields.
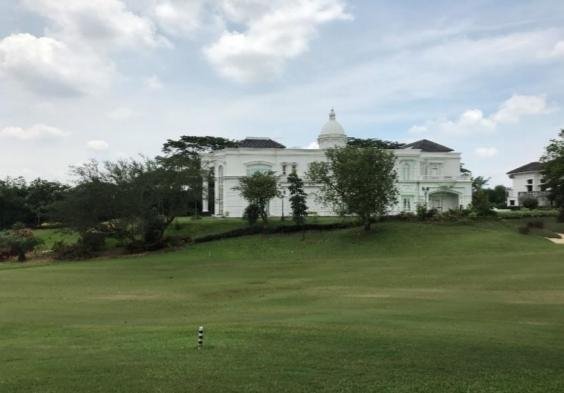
x=534 y=166
x=260 y=143
x=428 y=146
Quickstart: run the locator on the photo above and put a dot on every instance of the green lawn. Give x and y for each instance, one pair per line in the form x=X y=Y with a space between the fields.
x=409 y=308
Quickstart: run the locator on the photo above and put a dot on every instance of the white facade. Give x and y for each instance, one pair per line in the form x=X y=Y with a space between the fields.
x=424 y=177
x=527 y=182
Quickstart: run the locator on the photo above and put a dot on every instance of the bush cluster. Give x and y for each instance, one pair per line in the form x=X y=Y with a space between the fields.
x=530 y=225
x=17 y=243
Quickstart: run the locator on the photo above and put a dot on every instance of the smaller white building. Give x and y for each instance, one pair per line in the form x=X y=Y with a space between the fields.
x=528 y=182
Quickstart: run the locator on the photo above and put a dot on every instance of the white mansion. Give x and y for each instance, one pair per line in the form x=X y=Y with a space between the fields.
x=427 y=173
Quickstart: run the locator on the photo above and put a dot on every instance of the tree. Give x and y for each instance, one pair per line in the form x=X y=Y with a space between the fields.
x=13 y=207
x=553 y=172
x=497 y=195
x=373 y=142
x=258 y=189
x=184 y=156
x=298 y=198
x=480 y=198
x=134 y=200
x=357 y=180
x=40 y=195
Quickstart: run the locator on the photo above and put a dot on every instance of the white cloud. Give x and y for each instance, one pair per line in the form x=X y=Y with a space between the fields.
x=98 y=145
x=46 y=65
x=179 y=17
x=121 y=113
x=518 y=106
x=35 y=132
x=486 y=152
x=153 y=83
x=281 y=31
x=100 y=22
x=474 y=121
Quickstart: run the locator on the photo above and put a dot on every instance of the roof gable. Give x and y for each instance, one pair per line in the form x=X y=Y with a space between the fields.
x=534 y=166
x=428 y=146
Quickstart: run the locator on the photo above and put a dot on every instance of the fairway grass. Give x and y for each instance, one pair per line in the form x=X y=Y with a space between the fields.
x=410 y=307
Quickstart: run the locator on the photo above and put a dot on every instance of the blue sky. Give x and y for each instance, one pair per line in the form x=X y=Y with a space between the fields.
x=108 y=79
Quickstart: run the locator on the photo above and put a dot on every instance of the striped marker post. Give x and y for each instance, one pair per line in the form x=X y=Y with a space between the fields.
x=200 y=337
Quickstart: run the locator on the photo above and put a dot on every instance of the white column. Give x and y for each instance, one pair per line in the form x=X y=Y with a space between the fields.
x=205 y=194
x=216 y=193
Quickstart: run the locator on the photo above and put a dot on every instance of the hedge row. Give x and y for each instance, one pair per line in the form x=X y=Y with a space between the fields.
x=256 y=230
x=527 y=213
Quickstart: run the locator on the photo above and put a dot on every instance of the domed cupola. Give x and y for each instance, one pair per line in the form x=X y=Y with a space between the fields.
x=332 y=134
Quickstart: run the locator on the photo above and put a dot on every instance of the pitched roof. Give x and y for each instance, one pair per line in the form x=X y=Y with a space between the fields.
x=534 y=166
x=428 y=146
x=260 y=143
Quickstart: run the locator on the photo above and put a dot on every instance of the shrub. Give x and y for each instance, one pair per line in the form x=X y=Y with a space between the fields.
x=524 y=229
x=539 y=224
x=530 y=203
x=406 y=216
x=17 y=243
x=252 y=214
x=421 y=211
x=89 y=245
x=71 y=252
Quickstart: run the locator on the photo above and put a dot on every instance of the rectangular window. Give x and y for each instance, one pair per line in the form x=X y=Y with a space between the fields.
x=284 y=169
x=294 y=168
x=512 y=203
x=529 y=188
x=407 y=204
x=530 y=181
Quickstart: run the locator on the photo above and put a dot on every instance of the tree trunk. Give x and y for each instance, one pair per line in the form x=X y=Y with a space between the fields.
x=21 y=257
x=367 y=224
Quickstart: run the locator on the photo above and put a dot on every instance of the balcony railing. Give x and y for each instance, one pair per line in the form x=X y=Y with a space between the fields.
x=445 y=178
x=532 y=194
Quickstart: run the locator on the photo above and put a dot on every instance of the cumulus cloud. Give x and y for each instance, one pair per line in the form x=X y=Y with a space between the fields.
x=179 y=17
x=98 y=145
x=35 y=132
x=46 y=65
x=486 y=152
x=474 y=120
x=518 y=106
x=102 y=22
x=276 y=32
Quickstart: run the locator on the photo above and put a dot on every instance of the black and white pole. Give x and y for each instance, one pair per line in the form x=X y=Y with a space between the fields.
x=200 y=337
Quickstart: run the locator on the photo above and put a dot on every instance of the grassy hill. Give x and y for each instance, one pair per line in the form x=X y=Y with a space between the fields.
x=409 y=308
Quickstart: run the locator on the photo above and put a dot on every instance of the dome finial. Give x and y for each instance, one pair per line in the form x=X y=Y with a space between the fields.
x=332 y=115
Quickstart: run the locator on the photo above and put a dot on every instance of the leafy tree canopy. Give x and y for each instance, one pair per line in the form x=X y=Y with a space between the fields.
x=134 y=199
x=258 y=189
x=356 y=180
x=553 y=171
